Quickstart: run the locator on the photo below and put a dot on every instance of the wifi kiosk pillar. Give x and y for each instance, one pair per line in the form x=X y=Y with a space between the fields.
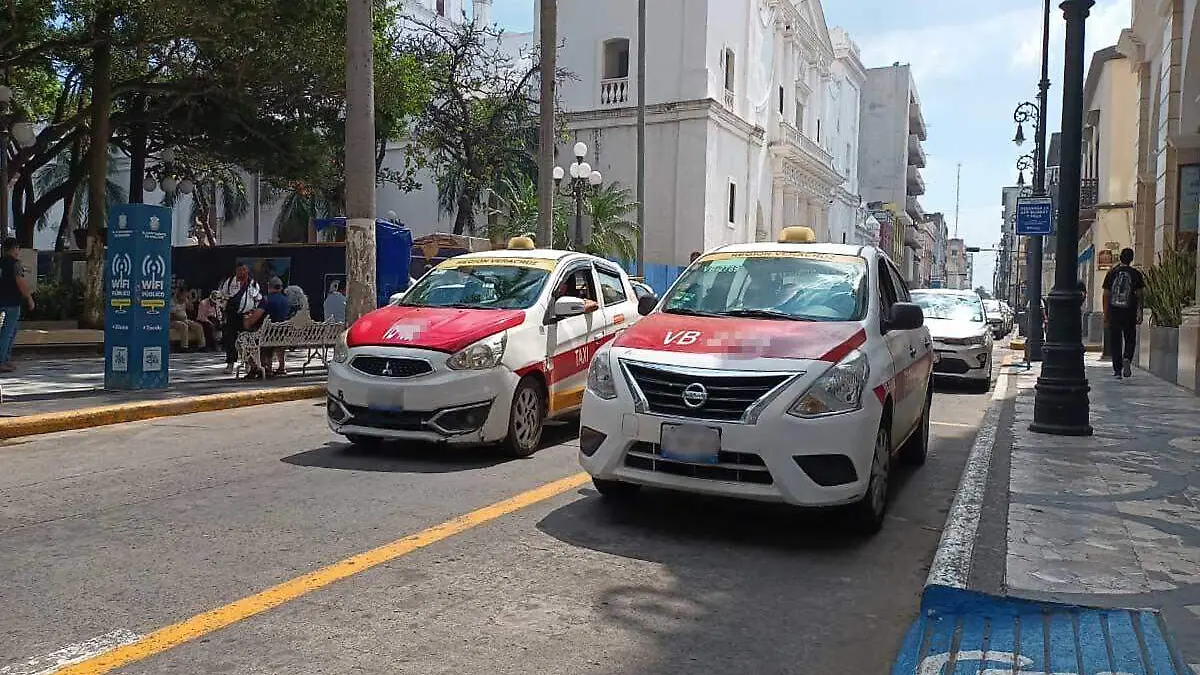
x=137 y=287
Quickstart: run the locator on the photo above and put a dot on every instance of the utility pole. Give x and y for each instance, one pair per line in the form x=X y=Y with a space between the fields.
x=360 y=161
x=548 y=24
x=957 y=195
x=641 y=140
x=1060 y=404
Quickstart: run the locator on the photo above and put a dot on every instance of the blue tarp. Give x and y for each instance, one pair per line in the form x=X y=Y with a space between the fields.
x=393 y=255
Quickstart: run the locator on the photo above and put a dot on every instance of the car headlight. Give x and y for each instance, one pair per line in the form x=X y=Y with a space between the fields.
x=600 y=377
x=976 y=339
x=341 y=349
x=838 y=391
x=482 y=355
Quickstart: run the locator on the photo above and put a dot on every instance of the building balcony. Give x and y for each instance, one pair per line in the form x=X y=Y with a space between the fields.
x=1089 y=193
x=614 y=92
x=916 y=153
x=729 y=99
x=912 y=238
x=916 y=184
x=912 y=206
x=916 y=120
x=790 y=136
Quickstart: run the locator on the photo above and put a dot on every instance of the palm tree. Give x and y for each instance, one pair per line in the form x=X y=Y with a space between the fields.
x=74 y=212
x=225 y=186
x=300 y=205
x=613 y=234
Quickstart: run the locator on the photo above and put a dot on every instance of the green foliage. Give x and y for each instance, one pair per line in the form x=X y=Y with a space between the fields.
x=612 y=236
x=1171 y=286
x=57 y=301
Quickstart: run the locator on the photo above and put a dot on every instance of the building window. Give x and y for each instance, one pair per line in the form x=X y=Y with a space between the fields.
x=732 y=210
x=730 y=70
x=616 y=58
x=781 y=102
x=818 y=131
x=441 y=7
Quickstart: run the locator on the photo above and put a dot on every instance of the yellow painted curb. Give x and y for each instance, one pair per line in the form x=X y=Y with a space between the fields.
x=48 y=423
x=1017 y=344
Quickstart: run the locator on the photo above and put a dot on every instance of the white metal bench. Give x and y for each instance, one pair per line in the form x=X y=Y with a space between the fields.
x=298 y=332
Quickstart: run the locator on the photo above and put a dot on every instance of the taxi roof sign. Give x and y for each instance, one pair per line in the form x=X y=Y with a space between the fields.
x=797 y=235
x=521 y=244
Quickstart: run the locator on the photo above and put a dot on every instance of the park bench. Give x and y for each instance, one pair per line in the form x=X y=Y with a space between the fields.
x=298 y=332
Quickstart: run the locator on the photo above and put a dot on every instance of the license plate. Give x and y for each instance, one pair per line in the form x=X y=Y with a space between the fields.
x=390 y=401
x=691 y=443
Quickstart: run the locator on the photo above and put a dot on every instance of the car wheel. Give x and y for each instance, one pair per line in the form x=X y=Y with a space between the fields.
x=916 y=449
x=867 y=513
x=365 y=442
x=526 y=418
x=615 y=489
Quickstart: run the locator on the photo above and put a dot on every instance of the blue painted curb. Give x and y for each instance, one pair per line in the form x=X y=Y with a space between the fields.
x=964 y=632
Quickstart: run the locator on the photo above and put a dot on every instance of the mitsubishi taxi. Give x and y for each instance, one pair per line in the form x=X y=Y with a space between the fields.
x=483 y=349
x=792 y=372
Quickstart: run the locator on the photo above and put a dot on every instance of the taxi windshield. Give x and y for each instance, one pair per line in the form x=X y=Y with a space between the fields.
x=949 y=306
x=483 y=286
x=773 y=285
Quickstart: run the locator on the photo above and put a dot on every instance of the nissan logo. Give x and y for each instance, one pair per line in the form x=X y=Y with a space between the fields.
x=695 y=395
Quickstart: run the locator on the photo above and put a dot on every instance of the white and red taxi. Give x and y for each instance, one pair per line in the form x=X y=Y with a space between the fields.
x=482 y=349
x=791 y=372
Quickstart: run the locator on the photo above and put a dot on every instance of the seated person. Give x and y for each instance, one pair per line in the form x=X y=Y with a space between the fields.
x=575 y=286
x=275 y=306
x=209 y=316
x=190 y=332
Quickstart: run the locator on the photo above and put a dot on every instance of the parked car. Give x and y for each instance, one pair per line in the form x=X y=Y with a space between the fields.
x=961 y=334
x=996 y=319
x=787 y=372
x=481 y=350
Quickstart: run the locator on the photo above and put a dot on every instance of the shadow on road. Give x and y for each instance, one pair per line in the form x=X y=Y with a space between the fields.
x=947 y=385
x=410 y=457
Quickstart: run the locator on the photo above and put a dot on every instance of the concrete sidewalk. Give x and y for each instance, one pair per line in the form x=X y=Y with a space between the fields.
x=1071 y=555
x=1112 y=520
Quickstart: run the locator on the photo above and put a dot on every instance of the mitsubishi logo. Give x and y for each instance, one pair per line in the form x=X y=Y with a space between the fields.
x=695 y=395
x=387 y=368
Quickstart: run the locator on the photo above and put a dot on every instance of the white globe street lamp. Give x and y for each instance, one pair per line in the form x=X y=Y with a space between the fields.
x=582 y=178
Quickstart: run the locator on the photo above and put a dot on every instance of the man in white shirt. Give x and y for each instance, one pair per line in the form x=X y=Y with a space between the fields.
x=242 y=297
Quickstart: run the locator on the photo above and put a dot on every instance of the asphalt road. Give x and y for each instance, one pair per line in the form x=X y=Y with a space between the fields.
x=115 y=533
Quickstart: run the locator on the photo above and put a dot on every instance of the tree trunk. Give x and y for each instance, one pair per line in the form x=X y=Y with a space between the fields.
x=66 y=223
x=548 y=23
x=137 y=156
x=93 y=295
x=464 y=218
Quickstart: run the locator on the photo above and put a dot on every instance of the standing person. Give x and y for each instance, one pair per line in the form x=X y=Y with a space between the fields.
x=14 y=292
x=335 y=304
x=242 y=297
x=1124 y=287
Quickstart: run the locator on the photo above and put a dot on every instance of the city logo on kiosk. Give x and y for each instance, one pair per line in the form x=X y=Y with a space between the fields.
x=153 y=223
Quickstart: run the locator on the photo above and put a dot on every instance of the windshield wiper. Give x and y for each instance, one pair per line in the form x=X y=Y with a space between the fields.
x=763 y=314
x=687 y=312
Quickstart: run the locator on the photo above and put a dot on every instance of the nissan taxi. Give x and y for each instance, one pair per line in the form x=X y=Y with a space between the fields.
x=791 y=372
x=482 y=349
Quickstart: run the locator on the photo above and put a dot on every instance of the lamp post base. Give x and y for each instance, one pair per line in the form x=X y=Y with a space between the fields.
x=1061 y=406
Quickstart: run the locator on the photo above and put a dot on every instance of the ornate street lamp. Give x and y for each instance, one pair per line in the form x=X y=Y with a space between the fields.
x=167 y=176
x=22 y=132
x=582 y=179
x=1061 y=405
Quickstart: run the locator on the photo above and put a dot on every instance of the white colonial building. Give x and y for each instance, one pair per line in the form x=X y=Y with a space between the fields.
x=743 y=137
x=848 y=220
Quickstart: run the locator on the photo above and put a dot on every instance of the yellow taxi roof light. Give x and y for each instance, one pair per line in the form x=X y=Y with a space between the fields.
x=521 y=244
x=797 y=235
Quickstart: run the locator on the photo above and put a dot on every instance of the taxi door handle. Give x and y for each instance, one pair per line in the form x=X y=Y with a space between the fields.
x=912 y=351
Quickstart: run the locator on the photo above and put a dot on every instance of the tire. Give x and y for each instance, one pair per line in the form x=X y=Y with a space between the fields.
x=526 y=419
x=365 y=442
x=615 y=489
x=915 y=450
x=867 y=514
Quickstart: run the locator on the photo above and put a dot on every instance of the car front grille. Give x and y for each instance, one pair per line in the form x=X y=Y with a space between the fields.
x=382 y=366
x=735 y=467
x=393 y=421
x=951 y=366
x=728 y=396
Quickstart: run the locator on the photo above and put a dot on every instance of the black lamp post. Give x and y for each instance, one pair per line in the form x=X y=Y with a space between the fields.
x=1061 y=404
x=582 y=178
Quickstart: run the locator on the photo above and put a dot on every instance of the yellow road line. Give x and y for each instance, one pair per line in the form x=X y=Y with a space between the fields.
x=222 y=617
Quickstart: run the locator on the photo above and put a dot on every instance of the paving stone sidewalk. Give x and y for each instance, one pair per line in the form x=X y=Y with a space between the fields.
x=54 y=385
x=1112 y=520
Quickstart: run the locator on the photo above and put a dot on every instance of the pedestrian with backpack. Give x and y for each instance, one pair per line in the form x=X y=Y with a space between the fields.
x=1124 y=287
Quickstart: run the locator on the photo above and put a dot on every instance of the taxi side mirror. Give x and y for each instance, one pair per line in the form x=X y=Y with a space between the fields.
x=646 y=304
x=396 y=297
x=904 y=316
x=567 y=306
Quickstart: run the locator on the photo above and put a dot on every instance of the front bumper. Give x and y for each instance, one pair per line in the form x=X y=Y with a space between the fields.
x=442 y=406
x=779 y=458
x=970 y=362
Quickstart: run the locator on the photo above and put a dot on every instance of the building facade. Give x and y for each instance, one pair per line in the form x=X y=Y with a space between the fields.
x=891 y=157
x=740 y=127
x=1109 y=178
x=937 y=248
x=845 y=104
x=958 y=273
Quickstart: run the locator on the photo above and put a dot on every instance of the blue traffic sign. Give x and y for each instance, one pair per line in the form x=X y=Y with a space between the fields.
x=1035 y=216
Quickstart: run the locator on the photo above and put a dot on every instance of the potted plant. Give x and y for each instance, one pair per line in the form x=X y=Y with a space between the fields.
x=1170 y=286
